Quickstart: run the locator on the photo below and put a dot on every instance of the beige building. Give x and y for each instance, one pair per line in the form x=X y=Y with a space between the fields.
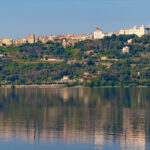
x=104 y=58
x=31 y=38
x=44 y=39
x=20 y=41
x=6 y=42
x=24 y=40
x=1 y=44
x=67 y=39
x=139 y=31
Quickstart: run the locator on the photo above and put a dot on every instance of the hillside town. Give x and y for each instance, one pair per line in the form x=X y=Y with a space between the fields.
x=71 y=39
x=106 y=59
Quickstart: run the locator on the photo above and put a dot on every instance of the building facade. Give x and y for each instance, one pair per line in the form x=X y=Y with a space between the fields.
x=139 y=31
x=6 y=42
x=20 y=41
x=31 y=38
x=98 y=34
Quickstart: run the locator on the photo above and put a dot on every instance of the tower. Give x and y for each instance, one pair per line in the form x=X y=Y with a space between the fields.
x=31 y=38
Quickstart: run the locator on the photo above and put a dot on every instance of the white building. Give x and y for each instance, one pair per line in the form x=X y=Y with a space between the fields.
x=65 y=79
x=98 y=34
x=126 y=49
x=130 y=41
x=135 y=30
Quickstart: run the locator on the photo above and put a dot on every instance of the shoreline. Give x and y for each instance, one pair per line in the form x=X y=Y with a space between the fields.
x=63 y=86
x=35 y=86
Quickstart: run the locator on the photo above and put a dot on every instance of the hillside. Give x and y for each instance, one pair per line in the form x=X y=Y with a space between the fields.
x=88 y=63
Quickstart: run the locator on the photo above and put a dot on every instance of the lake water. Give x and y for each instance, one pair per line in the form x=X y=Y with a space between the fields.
x=75 y=119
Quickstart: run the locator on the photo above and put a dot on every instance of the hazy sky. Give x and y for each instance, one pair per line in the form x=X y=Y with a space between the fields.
x=20 y=17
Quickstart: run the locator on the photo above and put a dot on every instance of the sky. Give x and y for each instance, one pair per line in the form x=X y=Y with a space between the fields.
x=54 y=17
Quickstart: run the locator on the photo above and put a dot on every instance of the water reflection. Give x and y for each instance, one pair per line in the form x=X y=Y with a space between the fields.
x=105 y=117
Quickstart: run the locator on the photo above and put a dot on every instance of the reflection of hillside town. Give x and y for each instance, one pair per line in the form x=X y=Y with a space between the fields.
x=97 y=115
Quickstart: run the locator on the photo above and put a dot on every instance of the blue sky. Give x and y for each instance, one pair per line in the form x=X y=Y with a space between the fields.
x=49 y=17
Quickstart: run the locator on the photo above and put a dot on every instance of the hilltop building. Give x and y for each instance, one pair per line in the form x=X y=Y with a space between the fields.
x=1 y=43
x=6 y=42
x=31 y=38
x=67 y=40
x=71 y=39
x=139 y=31
x=98 y=34
x=20 y=41
x=44 y=39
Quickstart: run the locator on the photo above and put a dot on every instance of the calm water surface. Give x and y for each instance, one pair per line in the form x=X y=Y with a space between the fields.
x=75 y=119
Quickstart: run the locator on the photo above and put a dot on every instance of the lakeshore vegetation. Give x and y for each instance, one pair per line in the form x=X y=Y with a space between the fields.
x=93 y=63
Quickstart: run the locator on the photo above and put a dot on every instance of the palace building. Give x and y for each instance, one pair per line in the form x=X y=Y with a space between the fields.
x=139 y=31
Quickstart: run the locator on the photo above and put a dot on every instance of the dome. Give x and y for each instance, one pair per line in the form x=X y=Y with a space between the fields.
x=98 y=29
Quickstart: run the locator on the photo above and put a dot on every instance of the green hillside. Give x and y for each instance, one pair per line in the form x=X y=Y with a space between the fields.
x=88 y=63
